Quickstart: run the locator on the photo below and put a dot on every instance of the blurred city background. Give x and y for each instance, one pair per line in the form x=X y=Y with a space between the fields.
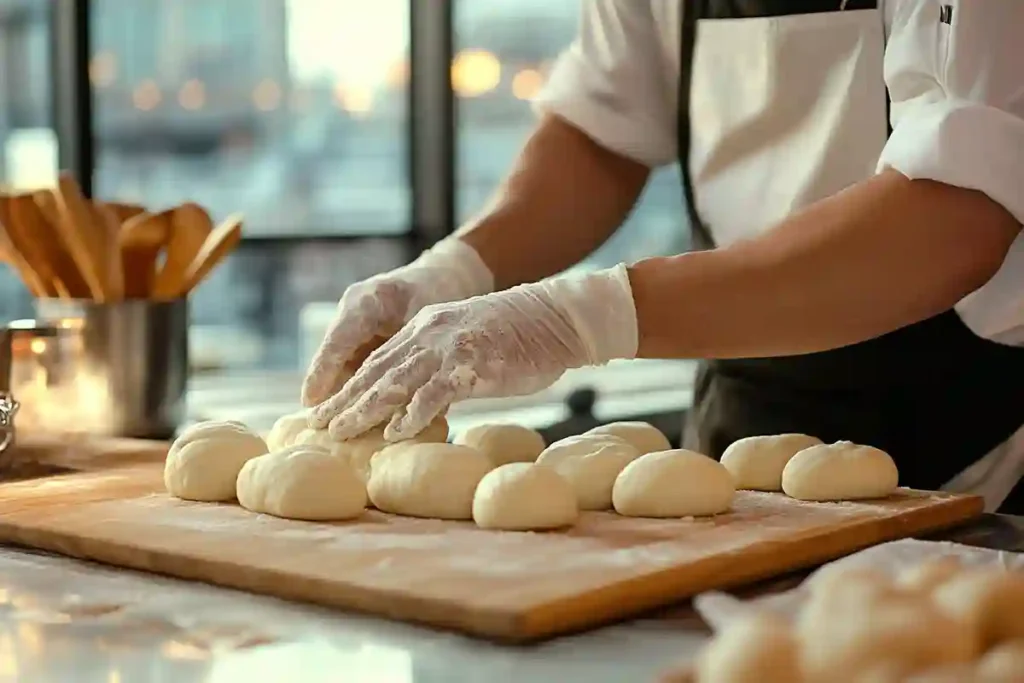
x=293 y=112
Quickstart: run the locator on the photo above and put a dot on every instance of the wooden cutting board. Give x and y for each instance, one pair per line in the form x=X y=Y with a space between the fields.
x=507 y=586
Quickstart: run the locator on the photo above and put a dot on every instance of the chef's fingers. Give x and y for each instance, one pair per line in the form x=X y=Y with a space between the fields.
x=385 y=397
x=430 y=400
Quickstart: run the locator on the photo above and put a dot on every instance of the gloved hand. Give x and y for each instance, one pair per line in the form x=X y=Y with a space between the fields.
x=508 y=343
x=371 y=311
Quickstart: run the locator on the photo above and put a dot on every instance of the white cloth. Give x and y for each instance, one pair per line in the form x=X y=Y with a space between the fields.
x=790 y=109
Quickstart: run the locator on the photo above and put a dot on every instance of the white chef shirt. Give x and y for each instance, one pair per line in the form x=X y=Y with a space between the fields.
x=957 y=117
x=957 y=109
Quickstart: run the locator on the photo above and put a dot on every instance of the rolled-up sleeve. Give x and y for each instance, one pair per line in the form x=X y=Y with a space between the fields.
x=612 y=83
x=957 y=92
x=955 y=73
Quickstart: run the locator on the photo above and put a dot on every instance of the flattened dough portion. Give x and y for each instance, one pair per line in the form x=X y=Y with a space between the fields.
x=642 y=436
x=756 y=462
x=590 y=463
x=522 y=496
x=360 y=450
x=301 y=482
x=840 y=471
x=503 y=443
x=676 y=483
x=434 y=480
x=203 y=462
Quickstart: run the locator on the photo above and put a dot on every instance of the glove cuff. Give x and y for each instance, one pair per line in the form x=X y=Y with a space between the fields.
x=600 y=308
x=463 y=273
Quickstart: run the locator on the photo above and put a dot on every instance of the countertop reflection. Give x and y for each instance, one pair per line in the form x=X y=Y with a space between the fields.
x=64 y=620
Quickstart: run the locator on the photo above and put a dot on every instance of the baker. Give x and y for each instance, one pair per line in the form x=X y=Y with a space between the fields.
x=855 y=173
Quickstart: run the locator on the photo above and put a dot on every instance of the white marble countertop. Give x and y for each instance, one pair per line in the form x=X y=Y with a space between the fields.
x=64 y=620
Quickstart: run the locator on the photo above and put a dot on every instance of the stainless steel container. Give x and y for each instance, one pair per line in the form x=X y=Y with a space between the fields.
x=117 y=369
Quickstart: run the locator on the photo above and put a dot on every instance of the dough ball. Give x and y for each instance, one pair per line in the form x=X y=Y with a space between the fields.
x=642 y=436
x=203 y=463
x=301 y=482
x=989 y=601
x=839 y=471
x=435 y=480
x=503 y=443
x=835 y=586
x=360 y=450
x=283 y=433
x=756 y=649
x=575 y=446
x=677 y=483
x=756 y=462
x=1003 y=663
x=590 y=463
x=887 y=635
x=520 y=496
x=930 y=574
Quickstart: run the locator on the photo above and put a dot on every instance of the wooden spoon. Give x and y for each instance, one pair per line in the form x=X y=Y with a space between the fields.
x=124 y=210
x=141 y=239
x=221 y=242
x=35 y=242
x=45 y=222
x=83 y=237
x=110 y=258
x=190 y=226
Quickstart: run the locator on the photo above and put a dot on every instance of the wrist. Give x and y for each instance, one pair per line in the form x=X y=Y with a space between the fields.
x=599 y=306
x=456 y=272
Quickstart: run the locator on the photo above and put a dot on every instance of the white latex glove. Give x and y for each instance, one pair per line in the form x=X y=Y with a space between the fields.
x=372 y=310
x=508 y=343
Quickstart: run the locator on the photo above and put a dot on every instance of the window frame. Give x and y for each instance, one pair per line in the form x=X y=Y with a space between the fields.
x=430 y=121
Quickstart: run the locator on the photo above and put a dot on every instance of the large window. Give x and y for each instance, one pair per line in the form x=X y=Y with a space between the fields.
x=504 y=49
x=350 y=134
x=28 y=145
x=292 y=112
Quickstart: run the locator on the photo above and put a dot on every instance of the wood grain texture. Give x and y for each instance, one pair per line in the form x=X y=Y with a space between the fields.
x=217 y=246
x=141 y=240
x=190 y=226
x=507 y=586
x=81 y=234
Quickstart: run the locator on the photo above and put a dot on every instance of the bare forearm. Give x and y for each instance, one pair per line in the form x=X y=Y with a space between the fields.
x=886 y=253
x=564 y=197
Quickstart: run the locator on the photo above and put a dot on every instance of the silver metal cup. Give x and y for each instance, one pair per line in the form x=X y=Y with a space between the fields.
x=121 y=369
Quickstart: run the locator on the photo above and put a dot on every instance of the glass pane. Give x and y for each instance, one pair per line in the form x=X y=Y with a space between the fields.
x=28 y=145
x=291 y=111
x=268 y=307
x=504 y=49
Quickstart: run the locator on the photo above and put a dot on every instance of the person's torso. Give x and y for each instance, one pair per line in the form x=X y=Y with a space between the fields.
x=783 y=104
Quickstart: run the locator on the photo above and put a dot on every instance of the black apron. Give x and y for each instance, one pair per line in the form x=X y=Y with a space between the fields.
x=933 y=395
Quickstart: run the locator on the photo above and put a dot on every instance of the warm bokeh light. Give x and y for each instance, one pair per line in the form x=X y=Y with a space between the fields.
x=192 y=95
x=355 y=99
x=475 y=73
x=397 y=76
x=526 y=84
x=267 y=95
x=103 y=69
x=146 y=96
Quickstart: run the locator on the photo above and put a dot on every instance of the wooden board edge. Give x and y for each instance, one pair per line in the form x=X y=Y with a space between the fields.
x=763 y=561
x=580 y=612
x=496 y=625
